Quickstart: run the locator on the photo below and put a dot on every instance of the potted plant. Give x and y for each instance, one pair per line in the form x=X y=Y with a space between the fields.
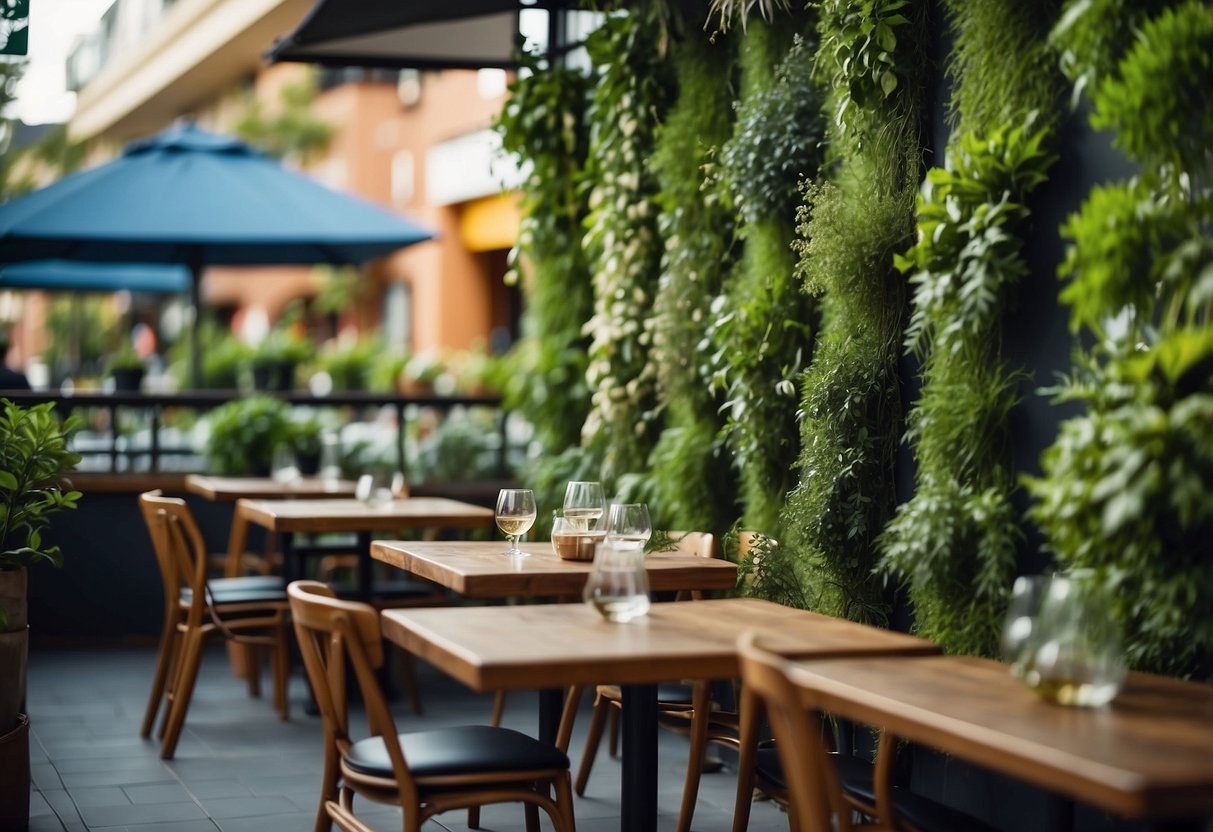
x=34 y=458
x=305 y=441
x=126 y=368
x=349 y=363
x=244 y=433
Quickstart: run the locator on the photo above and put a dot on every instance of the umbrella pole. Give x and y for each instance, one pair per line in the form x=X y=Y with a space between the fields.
x=196 y=323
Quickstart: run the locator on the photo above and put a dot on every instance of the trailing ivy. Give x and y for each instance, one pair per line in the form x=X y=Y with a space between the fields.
x=688 y=484
x=872 y=55
x=544 y=124
x=623 y=243
x=1127 y=488
x=761 y=332
x=955 y=541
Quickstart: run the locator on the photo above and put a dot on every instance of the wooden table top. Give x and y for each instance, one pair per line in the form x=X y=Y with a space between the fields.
x=1147 y=755
x=479 y=569
x=229 y=489
x=349 y=515
x=551 y=645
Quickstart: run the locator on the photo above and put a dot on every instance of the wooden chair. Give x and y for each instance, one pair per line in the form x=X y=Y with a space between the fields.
x=425 y=772
x=819 y=799
x=251 y=612
x=671 y=697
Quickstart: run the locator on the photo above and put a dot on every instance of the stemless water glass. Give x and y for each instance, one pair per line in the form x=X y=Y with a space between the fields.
x=1022 y=610
x=628 y=525
x=618 y=586
x=1075 y=655
x=515 y=514
x=330 y=461
x=584 y=504
x=285 y=468
x=378 y=486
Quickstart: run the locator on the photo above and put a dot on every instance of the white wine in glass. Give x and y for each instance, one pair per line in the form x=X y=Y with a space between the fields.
x=515 y=515
x=584 y=504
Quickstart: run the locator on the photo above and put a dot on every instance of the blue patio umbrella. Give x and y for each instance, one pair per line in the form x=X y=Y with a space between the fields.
x=73 y=276
x=195 y=198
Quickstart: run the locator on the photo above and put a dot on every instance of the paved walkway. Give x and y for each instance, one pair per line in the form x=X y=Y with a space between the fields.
x=239 y=769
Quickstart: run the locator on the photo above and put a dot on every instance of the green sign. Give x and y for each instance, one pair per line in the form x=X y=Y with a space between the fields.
x=14 y=27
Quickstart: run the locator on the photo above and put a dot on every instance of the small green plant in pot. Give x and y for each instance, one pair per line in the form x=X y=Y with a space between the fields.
x=126 y=368
x=34 y=458
x=244 y=433
x=275 y=359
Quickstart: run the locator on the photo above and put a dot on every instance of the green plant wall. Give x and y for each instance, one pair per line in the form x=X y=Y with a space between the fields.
x=623 y=243
x=871 y=56
x=688 y=482
x=544 y=123
x=1126 y=494
x=956 y=540
x=761 y=325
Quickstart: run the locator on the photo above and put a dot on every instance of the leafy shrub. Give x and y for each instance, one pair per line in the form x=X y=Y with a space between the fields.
x=245 y=432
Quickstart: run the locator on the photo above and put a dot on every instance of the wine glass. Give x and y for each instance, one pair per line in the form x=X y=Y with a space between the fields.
x=584 y=504
x=515 y=514
x=628 y=525
x=285 y=468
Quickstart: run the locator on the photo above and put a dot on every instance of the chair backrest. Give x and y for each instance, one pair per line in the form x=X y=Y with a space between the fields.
x=699 y=544
x=180 y=550
x=332 y=634
x=814 y=791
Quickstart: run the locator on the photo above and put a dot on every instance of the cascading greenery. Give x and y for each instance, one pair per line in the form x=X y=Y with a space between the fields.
x=871 y=56
x=761 y=331
x=623 y=243
x=955 y=541
x=544 y=123
x=1127 y=488
x=688 y=484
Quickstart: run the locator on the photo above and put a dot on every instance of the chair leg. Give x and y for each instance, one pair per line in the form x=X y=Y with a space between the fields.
x=700 y=711
x=183 y=691
x=252 y=669
x=564 y=802
x=473 y=817
x=282 y=672
x=171 y=682
x=498 y=708
x=749 y=716
x=593 y=737
x=328 y=785
x=532 y=817
x=613 y=737
x=408 y=679
x=164 y=661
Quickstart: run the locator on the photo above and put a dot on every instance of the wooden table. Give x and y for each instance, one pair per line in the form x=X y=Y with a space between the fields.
x=548 y=646
x=479 y=569
x=288 y=517
x=1147 y=756
x=230 y=489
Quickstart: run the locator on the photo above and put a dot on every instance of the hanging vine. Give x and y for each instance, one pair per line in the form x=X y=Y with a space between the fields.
x=1127 y=488
x=688 y=484
x=623 y=244
x=543 y=123
x=955 y=541
x=761 y=331
x=871 y=54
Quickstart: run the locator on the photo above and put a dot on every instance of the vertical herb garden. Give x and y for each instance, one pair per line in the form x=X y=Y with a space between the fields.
x=773 y=255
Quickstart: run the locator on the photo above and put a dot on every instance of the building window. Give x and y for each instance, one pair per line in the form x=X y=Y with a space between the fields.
x=408 y=87
x=491 y=83
x=398 y=316
x=403 y=177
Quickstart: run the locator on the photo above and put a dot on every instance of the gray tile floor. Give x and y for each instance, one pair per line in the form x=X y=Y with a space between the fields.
x=239 y=769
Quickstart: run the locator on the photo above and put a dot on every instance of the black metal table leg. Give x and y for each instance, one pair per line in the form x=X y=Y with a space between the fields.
x=366 y=580
x=551 y=708
x=290 y=570
x=639 y=803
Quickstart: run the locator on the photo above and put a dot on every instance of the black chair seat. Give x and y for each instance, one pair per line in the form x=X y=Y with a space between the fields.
x=245 y=590
x=466 y=749
x=767 y=767
x=399 y=588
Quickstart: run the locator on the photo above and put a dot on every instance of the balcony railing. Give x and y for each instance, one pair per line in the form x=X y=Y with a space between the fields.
x=129 y=432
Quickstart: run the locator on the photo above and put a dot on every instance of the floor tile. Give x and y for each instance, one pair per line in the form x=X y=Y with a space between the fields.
x=146 y=813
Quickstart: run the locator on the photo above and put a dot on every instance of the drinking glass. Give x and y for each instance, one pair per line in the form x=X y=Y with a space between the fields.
x=628 y=525
x=284 y=468
x=1075 y=655
x=584 y=504
x=618 y=586
x=377 y=487
x=1022 y=610
x=330 y=461
x=515 y=514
